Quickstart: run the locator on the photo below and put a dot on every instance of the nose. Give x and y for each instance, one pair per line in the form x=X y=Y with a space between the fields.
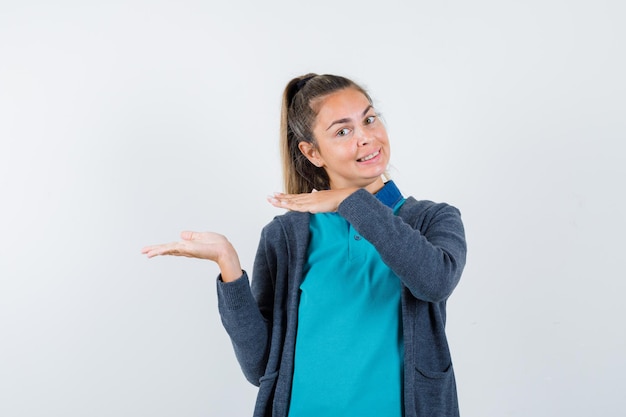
x=363 y=137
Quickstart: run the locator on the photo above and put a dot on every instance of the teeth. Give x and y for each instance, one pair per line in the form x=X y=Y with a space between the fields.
x=368 y=157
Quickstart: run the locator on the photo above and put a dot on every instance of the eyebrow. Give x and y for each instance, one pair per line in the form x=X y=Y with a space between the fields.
x=344 y=120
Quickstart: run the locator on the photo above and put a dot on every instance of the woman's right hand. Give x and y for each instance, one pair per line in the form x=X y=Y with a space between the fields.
x=202 y=245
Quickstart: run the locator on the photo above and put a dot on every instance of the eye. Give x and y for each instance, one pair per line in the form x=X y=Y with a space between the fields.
x=370 y=119
x=343 y=132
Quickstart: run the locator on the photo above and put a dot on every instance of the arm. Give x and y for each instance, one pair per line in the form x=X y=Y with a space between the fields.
x=246 y=312
x=248 y=330
x=424 y=245
x=238 y=308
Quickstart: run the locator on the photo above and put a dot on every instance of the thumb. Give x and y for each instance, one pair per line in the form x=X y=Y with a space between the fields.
x=187 y=235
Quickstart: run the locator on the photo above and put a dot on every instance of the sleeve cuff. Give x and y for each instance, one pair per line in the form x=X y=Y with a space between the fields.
x=235 y=294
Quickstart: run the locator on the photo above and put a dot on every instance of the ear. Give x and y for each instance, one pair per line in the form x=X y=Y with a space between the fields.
x=311 y=153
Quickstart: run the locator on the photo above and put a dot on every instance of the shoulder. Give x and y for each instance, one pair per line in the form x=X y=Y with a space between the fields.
x=286 y=235
x=287 y=224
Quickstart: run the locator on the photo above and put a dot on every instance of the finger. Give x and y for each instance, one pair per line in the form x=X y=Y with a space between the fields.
x=152 y=249
x=165 y=249
x=150 y=252
x=272 y=201
x=280 y=203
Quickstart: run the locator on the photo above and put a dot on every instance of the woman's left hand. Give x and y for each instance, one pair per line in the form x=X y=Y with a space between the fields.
x=315 y=202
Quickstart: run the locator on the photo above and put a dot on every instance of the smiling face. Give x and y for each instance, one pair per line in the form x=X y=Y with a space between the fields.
x=351 y=142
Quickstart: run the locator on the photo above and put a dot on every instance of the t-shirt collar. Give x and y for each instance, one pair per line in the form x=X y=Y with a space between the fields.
x=389 y=195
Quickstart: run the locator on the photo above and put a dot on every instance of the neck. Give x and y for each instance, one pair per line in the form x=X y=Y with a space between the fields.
x=375 y=186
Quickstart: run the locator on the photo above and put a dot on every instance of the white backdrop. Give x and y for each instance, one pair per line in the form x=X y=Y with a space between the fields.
x=123 y=123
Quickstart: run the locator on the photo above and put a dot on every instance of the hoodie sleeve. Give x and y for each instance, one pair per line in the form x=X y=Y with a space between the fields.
x=244 y=314
x=424 y=244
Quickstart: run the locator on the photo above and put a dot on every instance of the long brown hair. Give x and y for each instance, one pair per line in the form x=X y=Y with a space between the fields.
x=298 y=115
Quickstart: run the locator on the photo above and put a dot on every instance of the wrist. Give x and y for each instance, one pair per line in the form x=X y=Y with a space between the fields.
x=346 y=192
x=229 y=265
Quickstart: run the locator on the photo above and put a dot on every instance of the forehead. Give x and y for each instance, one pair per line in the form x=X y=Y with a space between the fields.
x=342 y=104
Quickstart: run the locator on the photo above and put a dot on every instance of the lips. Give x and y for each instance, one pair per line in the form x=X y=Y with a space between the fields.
x=368 y=157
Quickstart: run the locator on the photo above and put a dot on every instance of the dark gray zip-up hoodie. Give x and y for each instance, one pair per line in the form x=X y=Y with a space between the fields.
x=424 y=245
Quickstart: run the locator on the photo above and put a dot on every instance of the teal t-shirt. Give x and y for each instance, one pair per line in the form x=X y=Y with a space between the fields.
x=349 y=349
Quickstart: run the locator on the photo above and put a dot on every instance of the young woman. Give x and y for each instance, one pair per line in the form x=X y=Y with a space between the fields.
x=345 y=314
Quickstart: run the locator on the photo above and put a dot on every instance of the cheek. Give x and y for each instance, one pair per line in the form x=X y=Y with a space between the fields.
x=383 y=137
x=342 y=155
